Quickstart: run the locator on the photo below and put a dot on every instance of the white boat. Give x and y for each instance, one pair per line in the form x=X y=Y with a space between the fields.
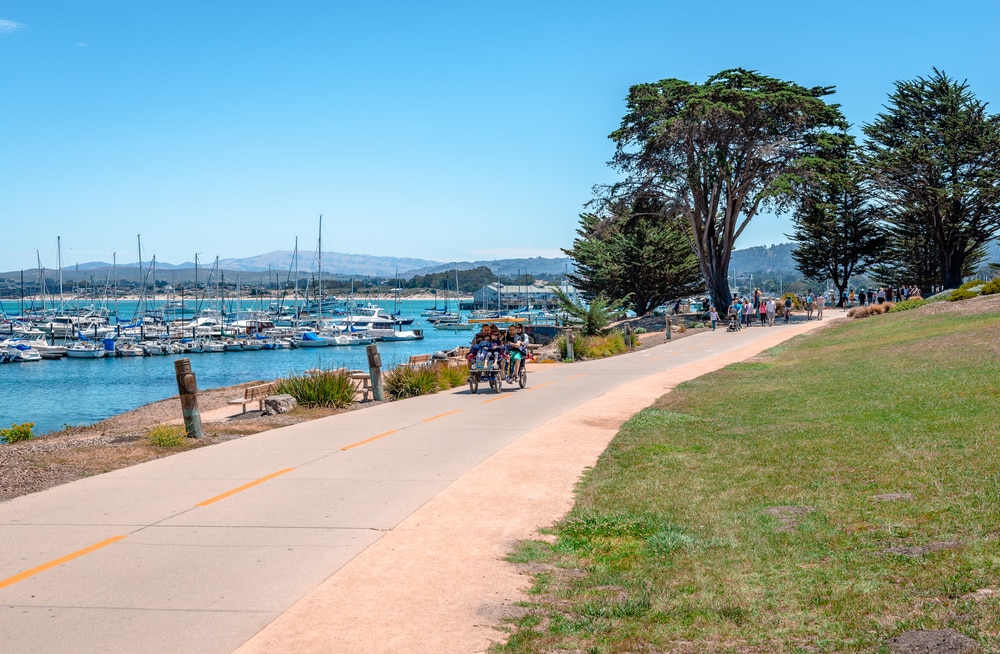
x=85 y=350
x=404 y=335
x=308 y=339
x=20 y=351
x=37 y=340
x=346 y=339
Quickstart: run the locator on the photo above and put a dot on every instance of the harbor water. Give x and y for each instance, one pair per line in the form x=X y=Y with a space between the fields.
x=54 y=394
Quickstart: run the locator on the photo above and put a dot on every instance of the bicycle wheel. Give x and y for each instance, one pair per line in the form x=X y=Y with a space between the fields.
x=499 y=383
x=473 y=382
x=522 y=377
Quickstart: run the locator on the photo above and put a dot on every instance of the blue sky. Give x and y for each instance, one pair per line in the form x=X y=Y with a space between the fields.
x=437 y=130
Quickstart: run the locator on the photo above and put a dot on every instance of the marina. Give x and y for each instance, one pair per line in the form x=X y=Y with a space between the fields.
x=83 y=388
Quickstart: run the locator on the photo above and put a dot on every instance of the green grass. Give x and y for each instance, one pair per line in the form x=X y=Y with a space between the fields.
x=739 y=514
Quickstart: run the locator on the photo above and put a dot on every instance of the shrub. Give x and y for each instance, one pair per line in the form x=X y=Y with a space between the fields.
x=961 y=294
x=17 y=433
x=639 y=330
x=165 y=436
x=408 y=381
x=990 y=288
x=909 y=304
x=450 y=377
x=796 y=305
x=327 y=388
x=971 y=285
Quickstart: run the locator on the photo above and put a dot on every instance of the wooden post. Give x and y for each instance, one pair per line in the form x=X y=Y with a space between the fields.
x=669 y=327
x=375 y=372
x=570 y=338
x=187 y=388
x=628 y=336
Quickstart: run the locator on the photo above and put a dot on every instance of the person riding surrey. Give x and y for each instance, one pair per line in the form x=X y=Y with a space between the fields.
x=516 y=349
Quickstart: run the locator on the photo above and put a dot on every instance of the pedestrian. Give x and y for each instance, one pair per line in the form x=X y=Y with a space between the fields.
x=747 y=312
x=714 y=316
x=820 y=303
x=788 y=306
x=850 y=299
x=809 y=305
x=763 y=313
x=770 y=311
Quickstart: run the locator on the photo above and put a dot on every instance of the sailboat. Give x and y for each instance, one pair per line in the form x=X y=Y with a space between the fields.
x=452 y=321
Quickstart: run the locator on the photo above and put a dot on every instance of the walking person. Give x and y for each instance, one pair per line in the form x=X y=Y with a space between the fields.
x=763 y=312
x=770 y=311
x=820 y=303
x=788 y=306
x=714 y=316
x=809 y=305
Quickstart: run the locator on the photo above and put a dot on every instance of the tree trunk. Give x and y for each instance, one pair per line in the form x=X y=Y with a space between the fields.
x=718 y=288
x=951 y=269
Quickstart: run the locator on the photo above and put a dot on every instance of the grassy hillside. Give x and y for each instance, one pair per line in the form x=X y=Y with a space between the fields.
x=831 y=494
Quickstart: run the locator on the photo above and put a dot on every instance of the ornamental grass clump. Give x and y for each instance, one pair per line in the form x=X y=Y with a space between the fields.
x=594 y=347
x=871 y=310
x=408 y=381
x=326 y=388
x=451 y=377
x=18 y=432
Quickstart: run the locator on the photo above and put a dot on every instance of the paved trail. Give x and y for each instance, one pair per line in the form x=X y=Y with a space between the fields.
x=380 y=530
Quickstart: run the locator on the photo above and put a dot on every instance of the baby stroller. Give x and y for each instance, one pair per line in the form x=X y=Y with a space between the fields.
x=734 y=322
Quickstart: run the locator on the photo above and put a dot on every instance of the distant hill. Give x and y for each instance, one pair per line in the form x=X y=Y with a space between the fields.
x=775 y=259
x=537 y=266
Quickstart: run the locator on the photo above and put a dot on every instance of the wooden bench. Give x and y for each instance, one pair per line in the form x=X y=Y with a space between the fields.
x=362 y=384
x=257 y=393
x=418 y=360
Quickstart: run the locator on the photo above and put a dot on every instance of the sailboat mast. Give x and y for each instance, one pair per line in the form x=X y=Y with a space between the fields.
x=59 y=263
x=319 y=267
x=296 y=256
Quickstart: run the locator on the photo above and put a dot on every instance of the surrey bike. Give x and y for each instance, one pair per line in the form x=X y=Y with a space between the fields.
x=487 y=369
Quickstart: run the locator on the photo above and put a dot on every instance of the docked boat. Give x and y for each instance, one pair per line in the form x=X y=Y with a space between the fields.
x=346 y=339
x=86 y=350
x=20 y=351
x=404 y=335
x=308 y=339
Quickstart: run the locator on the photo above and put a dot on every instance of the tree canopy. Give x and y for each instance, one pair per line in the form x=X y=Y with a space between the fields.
x=934 y=157
x=629 y=252
x=710 y=153
x=836 y=228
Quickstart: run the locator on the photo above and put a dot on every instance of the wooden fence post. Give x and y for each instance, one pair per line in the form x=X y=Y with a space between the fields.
x=375 y=371
x=187 y=388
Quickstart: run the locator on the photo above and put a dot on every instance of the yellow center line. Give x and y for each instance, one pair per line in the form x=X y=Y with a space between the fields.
x=244 y=487
x=368 y=440
x=440 y=415
x=498 y=397
x=542 y=385
x=51 y=564
x=656 y=358
x=582 y=374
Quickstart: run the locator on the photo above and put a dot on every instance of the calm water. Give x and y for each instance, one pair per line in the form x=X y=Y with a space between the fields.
x=56 y=393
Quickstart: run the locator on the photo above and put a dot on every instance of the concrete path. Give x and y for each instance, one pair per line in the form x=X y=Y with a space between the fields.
x=379 y=530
